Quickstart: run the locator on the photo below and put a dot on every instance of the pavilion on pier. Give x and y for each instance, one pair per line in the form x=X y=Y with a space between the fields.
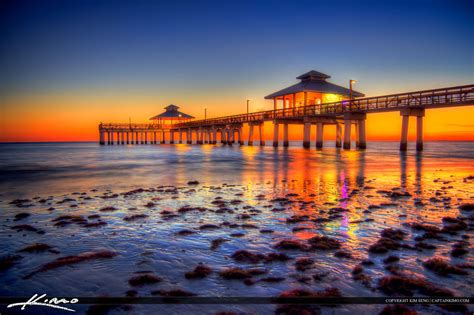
x=313 y=89
x=171 y=116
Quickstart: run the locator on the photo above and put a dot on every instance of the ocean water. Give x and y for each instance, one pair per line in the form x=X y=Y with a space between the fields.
x=285 y=190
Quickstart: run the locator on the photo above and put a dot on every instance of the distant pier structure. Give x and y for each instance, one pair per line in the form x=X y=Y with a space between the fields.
x=312 y=101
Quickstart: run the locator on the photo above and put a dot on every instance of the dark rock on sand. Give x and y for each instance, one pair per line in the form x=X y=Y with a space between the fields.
x=108 y=209
x=34 y=248
x=291 y=244
x=271 y=257
x=467 y=207
x=389 y=241
x=324 y=243
x=143 y=279
x=304 y=263
x=248 y=257
x=7 y=262
x=459 y=249
x=135 y=217
x=441 y=267
x=393 y=234
x=201 y=271
x=26 y=227
x=217 y=242
x=21 y=216
x=405 y=286
x=391 y=259
x=343 y=254
x=241 y=274
x=185 y=232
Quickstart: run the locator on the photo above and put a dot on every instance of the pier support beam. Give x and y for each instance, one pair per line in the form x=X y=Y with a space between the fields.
x=230 y=136
x=250 y=142
x=419 y=133
x=199 y=134
x=128 y=138
x=338 y=135
x=404 y=137
x=101 y=135
x=275 y=134
x=171 y=136
x=286 y=142
x=136 y=137
x=189 y=135
x=319 y=135
x=260 y=133
x=146 y=137
x=223 y=134
x=347 y=134
x=163 y=137
x=419 y=113
x=180 y=136
x=239 y=136
x=122 y=136
x=348 y=120
x=306 y=134
x=361 y=135
x=356 y=127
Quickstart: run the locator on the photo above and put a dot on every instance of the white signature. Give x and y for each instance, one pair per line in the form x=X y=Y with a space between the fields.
x=41 y=301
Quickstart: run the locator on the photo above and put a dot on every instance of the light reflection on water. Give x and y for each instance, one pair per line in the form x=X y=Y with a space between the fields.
x=324 y=178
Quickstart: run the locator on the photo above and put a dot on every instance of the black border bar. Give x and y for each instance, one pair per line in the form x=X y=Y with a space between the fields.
x=254 y=300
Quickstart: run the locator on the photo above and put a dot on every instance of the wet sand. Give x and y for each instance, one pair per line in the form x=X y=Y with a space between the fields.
x=373 y=231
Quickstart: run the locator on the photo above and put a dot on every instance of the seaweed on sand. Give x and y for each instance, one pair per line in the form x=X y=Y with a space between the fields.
x=72 y=260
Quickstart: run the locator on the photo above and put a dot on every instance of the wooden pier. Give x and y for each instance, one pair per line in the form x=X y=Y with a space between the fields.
x=341 y=114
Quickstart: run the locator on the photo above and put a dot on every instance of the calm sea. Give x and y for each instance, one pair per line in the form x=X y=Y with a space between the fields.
x=30 y=169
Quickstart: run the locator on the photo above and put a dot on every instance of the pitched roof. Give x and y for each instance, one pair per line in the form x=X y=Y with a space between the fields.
x=314 y=81
x=172 y=112
x=313 y=74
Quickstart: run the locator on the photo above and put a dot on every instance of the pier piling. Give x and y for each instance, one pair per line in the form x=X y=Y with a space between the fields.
x=338 y=135
x=286 y=142
x=306 y=134
x=275 y=134
x=319 y=135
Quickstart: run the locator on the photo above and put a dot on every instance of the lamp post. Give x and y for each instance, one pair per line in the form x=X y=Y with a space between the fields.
x=350 y=87
x=205 y=113
x=248 y=102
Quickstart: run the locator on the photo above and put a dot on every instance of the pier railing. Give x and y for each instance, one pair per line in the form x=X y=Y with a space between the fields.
x=435 y=98
x=133 y=127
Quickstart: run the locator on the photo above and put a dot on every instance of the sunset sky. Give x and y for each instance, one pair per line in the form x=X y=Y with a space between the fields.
x=65 y=66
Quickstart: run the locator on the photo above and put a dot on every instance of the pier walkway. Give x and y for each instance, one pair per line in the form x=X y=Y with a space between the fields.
x=342 y=114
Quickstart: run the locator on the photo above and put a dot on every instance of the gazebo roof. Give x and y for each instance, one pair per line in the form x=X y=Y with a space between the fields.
x=314 y=81
x=172 y=113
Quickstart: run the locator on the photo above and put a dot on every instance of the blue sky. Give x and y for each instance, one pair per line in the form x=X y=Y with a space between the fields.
x=199 y=46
